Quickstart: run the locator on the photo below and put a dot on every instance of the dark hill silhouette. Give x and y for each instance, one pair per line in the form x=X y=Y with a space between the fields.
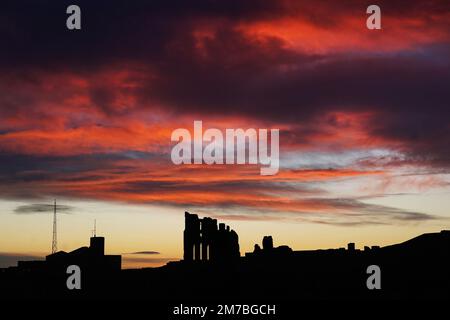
x=213 y=270
x=439 y=242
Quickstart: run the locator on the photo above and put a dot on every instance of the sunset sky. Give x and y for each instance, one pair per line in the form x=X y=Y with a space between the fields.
x=86 y=117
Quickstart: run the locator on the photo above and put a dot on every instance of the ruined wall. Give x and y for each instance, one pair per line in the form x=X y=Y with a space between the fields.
x=204 y=240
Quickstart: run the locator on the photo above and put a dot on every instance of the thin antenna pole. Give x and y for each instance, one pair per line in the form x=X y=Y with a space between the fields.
x=54 y=241
x=95 y=228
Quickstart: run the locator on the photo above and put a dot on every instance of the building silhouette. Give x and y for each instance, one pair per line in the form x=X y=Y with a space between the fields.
x=204 y=240
x=268 y=251
x=90 y=259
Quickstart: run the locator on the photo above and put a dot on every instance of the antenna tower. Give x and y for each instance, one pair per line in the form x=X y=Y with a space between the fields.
x=54 y=241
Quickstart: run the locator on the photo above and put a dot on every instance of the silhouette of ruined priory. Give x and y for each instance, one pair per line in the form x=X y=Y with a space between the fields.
x=204 y=240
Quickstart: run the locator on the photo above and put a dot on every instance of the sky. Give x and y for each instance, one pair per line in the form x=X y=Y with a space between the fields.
x=86 y=118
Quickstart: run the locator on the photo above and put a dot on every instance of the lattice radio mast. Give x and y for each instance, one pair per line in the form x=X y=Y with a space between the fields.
x=94 y=231
x=54 y=241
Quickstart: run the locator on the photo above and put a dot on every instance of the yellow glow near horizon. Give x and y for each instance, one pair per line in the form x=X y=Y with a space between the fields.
x=133 y=228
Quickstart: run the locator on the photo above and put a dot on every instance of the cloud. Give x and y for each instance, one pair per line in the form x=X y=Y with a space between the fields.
x=89 y=114
x=216 y=60
x=330 y=211
x=306 y=94
x=42 y=208
x=145 y=252
x=140 y=262
x=237 y=192
x=162 y=25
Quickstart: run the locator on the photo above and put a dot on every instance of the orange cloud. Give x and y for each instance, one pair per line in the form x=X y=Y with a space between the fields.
x=322 y=29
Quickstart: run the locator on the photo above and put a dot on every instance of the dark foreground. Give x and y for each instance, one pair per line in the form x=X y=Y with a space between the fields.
x=416 y=269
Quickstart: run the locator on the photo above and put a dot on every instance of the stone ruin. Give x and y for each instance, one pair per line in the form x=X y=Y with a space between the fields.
x=204 y=240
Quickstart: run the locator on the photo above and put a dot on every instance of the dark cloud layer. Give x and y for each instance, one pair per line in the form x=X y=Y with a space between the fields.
x=342 y=212
x=145 y=252
x=144 y=30
x=42 y=208
x=232 y=73
x=191 y=58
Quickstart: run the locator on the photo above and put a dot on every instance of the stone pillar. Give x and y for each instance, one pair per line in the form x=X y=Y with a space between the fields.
x=191 y=237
